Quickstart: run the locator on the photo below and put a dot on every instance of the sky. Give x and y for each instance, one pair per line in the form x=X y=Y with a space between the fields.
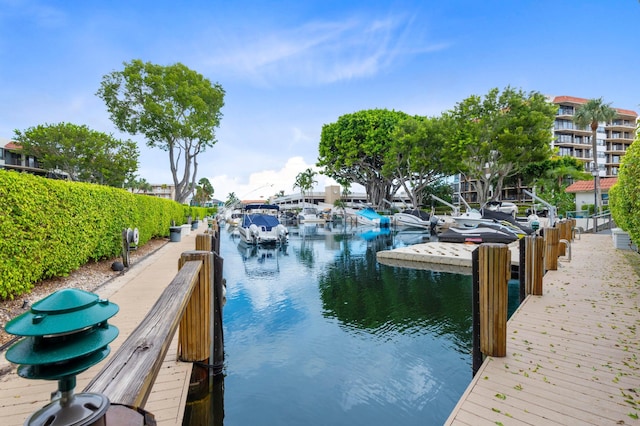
x=290 y=67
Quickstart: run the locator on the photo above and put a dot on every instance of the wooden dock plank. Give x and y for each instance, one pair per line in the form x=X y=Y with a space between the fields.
x=571 y=353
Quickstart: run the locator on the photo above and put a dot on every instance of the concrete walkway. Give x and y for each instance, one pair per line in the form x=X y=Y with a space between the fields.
x=134 y=292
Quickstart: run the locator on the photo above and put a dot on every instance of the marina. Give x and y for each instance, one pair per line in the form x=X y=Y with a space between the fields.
x=393 y=345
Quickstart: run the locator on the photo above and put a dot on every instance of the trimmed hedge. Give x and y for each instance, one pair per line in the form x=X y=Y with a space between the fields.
x=624 y=196
x=49 y=228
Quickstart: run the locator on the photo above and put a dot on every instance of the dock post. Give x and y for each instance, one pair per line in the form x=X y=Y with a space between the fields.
x=523 y=268
x=476 y=354
x=219 y=300
x=194 y=334
x=552 y=239
x=535 y=263
x=203 y=242
x=494 y=270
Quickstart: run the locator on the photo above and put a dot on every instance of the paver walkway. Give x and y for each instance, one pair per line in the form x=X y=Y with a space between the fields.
x=134 y=292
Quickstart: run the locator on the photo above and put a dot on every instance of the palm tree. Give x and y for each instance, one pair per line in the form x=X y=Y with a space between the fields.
x=305 y=181
x=591 y=114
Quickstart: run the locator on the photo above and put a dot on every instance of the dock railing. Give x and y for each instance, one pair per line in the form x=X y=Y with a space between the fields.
x=128 y=376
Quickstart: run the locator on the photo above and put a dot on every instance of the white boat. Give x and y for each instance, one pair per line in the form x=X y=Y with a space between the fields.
x=369 y=217
x=260 y=225
x=470 y=219
x=310 y=215
x=414 y=218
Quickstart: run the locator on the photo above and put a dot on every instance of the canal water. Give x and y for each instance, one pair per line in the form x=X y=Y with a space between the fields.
x=319 y=333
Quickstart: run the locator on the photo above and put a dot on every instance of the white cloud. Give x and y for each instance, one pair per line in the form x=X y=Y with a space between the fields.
x=319 y=52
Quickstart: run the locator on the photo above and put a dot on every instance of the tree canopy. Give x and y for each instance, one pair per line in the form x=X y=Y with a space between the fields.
x=204 y=192
x=354 y=148
x=174 y=107
x=415 y=157
x=494 y=137
x=83 y=154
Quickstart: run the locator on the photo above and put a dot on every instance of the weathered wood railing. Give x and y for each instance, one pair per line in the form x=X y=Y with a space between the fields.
x=128 y=376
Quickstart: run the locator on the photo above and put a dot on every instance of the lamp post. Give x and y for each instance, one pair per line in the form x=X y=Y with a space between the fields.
x=594 y=172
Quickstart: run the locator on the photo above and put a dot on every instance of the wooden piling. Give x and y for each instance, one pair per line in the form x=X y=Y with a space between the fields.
x=218 y=303
x=494 y=269
x=562 y=234
x=203 y=242
x=534 y=264
x=194 y=336
x=552 y=239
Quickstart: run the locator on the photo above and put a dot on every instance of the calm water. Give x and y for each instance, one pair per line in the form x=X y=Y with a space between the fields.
x=319 y=333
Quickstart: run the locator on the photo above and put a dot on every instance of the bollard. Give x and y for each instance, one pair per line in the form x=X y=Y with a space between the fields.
x=194 y=335
x=65 y=334
x=494 y=269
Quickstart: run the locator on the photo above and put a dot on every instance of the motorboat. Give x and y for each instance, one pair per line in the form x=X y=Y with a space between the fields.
x=310 y=215
x=415 y=218
x=369 y=217
x=260 y=225
x=470 y=218
x=502 y=206
x=485 y=233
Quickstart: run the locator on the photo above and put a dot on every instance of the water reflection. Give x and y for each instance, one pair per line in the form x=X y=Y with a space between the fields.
x=319 y=332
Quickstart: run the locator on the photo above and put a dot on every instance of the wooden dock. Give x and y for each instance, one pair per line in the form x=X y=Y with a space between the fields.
x=572 y=354
x=135 y=292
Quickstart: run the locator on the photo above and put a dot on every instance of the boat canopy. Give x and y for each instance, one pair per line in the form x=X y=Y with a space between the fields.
x=261 y=206
x=261 y=220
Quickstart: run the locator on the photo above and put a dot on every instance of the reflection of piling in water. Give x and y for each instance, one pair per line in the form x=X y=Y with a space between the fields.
x=205 y=401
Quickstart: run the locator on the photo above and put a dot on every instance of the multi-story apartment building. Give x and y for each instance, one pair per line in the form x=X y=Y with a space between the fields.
x=613 y=139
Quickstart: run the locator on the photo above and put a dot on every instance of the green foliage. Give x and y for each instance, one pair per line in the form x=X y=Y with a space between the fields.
x=204 y=192
x=174 y=107
x=49 y=228
x=415 y=157
x=552 y=176
x=305 y=181
x=495 y=137
x=354 y=149
x=624 y=196
x=83 y=154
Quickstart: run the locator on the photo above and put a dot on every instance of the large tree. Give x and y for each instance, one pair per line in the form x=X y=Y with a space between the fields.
x=354 y=149
x=174 y=107
x=204 y=192
x=591 y=114
x=83 y=154
x=415 y=157
x=493 y=137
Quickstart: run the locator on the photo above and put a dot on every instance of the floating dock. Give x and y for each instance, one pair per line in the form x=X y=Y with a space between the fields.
x=437 y=256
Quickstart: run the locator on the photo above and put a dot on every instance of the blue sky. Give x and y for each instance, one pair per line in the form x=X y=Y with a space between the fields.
x=288 y=67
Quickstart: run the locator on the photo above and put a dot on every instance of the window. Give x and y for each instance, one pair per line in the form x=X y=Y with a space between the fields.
x=1 y=153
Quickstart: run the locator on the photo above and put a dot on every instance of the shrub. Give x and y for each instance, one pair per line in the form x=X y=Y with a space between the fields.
x=624 y=197
x=50 y=228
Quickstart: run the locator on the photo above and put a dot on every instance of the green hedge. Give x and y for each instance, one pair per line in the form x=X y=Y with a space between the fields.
x=624 y=196
x=49 y=228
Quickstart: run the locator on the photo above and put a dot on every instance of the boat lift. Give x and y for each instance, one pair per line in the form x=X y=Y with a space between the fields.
x=552 y=209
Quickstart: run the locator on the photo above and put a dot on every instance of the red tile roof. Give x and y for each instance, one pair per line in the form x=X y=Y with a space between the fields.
x=575 y=100
x=587 y=185
x=12 y=145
